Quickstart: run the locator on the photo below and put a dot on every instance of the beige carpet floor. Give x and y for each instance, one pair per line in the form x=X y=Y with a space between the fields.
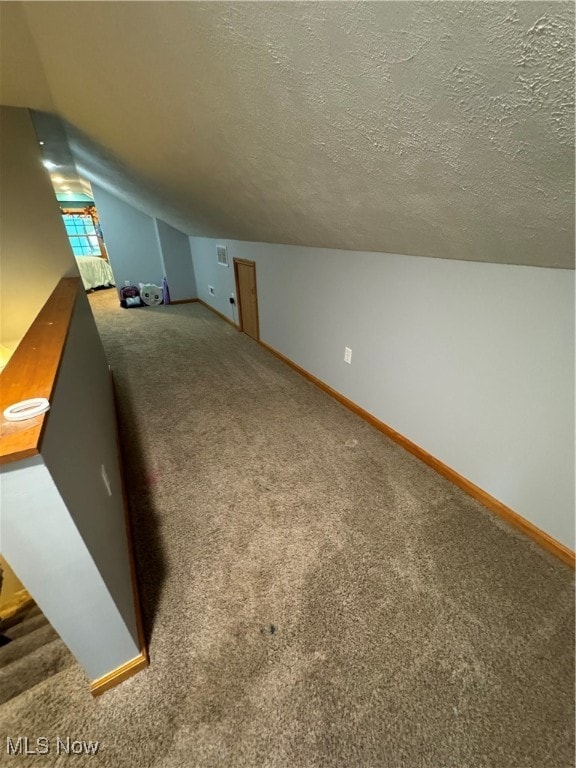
x=314 y=596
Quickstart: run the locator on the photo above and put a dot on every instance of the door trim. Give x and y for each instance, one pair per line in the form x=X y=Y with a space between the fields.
x=240 y=323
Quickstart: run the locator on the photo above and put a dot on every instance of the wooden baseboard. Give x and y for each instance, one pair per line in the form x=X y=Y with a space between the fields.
x=216 y=312
x=561 y=551
x=183 y=301
x=118 y=675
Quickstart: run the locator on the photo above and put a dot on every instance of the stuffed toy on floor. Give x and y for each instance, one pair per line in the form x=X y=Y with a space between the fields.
x=151 y=294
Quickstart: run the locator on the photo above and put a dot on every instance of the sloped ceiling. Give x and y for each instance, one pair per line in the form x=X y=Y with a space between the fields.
x=438 y=129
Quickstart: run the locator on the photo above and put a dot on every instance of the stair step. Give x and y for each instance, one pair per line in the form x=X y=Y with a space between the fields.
x=57 y=692
x=22 y=615
x=27 y=672
x=25 y=626
x=27 y=643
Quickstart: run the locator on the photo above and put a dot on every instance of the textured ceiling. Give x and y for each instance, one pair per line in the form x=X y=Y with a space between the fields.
x=430 y=128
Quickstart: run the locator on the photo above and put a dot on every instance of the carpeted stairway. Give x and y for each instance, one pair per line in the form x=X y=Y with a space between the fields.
x=32 y=656
x=314 y=596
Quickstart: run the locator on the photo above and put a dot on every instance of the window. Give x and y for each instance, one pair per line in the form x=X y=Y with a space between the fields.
x=82 y=234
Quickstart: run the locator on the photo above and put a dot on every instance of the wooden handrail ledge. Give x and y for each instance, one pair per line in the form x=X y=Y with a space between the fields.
x=32 y=371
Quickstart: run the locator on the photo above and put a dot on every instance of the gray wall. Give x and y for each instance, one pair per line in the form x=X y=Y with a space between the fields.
x=143 y=249
x=175 y=248
x=131 y=240
x=211 y=274
x=60 y=531
x=35 y=250
x=48 y=553
x=473 y=362
x=79 y=440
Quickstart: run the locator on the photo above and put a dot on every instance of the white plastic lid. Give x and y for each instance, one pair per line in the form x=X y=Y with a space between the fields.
x=26 y=409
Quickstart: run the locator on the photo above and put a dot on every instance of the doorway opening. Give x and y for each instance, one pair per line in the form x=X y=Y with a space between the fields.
x=83 y=229
x=245 y=276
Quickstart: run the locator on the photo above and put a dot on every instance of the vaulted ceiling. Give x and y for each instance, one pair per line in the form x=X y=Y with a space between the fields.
x=441 y=129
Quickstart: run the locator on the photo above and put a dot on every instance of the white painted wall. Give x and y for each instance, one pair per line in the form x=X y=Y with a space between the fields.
x=33 y=242
x=175 y=248
x=473 y=362
x=131 y=240
x=44 y=545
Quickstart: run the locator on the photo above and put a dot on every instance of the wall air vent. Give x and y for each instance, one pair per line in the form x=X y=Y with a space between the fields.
x=222 y=255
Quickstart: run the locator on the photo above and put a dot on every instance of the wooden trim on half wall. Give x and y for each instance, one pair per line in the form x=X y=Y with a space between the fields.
x=561 y=551
x=183 y=301
x=117 y=676
x=33 y=369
